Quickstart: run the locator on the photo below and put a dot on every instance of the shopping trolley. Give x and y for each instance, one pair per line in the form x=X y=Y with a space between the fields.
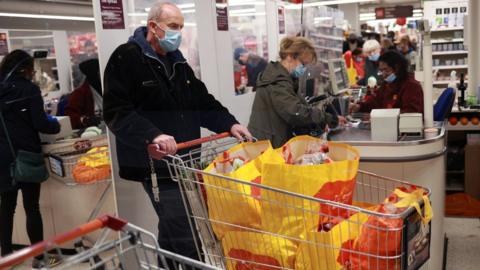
x=67 y=165
x=411 y=239
x=131 y=247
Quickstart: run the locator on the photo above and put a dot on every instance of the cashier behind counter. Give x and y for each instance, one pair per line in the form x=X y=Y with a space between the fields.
x=399 y=88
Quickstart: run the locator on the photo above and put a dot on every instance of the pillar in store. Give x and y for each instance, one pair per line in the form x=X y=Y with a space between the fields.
x=351 y=14
x=62 y=54
x=473 y=40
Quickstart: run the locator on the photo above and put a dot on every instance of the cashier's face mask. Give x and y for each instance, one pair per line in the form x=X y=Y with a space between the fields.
x=299 y=71
x=391 y=78
x=171 y=41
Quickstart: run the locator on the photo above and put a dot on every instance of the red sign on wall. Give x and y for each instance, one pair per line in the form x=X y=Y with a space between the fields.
x=393 y=12
x=281 y=20
x=222 y=15
x=112 y=14
x=3 y=44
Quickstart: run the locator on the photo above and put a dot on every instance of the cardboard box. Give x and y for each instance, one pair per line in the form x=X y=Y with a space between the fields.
x=472 y=170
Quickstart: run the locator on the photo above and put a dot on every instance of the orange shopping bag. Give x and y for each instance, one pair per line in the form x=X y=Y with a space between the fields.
x=379 y=244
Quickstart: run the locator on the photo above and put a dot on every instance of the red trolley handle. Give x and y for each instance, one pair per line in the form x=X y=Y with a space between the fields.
x=22 y=255
x=155 y=152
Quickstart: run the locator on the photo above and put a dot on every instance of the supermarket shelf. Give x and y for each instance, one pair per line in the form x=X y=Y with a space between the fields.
x=436 y=41
x=445 y=29
x=455 y=187
x=446 y=82
x=449 y=52
x=328 y=48
x=460 y=127
x=327 y=36
x=450 y=67
x=456 y=172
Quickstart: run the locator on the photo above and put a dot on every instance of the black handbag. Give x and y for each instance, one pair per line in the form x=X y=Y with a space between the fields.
x=27 y=167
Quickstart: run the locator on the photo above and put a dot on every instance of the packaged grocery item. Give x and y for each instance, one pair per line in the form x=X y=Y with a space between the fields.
x=316 y=153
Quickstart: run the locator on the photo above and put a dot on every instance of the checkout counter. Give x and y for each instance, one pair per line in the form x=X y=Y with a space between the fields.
x=65 y=204
x=412 y=159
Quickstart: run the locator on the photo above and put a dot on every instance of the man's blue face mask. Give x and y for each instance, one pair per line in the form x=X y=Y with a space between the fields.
x=172 y=40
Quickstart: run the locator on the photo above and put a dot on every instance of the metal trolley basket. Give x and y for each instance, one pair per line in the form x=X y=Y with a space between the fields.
x=63 y=162
x=370 y=188
x=118 y=245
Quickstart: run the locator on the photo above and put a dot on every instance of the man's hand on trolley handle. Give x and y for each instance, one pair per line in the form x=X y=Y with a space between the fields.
x=166 y=144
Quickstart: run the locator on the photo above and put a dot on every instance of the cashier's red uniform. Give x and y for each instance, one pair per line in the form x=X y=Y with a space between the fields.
x=406 y=96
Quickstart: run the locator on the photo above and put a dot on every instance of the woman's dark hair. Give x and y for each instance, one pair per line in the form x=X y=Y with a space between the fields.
x=397 y=62
x=16 y=62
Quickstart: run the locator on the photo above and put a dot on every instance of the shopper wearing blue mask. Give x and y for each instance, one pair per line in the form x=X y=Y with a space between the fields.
x=152 y=96
x=371 y=50
x=398 y=90
x=277 y=109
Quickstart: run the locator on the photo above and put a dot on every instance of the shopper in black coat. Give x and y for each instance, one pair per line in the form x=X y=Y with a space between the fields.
x=152 y=96
x=22 y=106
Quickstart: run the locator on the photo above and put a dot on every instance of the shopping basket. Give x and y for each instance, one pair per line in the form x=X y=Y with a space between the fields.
x=131 y=248
x=263 y=249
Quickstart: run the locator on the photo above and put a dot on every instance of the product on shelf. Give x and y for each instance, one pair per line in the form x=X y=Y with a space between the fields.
x=453 y=120
x=475 y=120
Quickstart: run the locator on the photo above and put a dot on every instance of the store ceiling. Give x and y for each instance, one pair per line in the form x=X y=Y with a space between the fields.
x=76 y=8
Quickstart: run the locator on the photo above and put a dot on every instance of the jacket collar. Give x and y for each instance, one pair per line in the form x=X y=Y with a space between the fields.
x=139 y=37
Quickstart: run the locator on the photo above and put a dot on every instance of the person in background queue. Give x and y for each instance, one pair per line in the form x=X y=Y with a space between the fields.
x=277 y=109
x=398 y=90
x=22 y=108
x=253 y=63
x=371 y=49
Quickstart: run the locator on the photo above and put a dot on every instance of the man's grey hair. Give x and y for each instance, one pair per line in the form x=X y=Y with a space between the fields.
x=157 y=9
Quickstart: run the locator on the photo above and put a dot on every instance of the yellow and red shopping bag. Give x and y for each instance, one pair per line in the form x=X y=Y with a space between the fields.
x=258 y=251
x=233 y=203
x=320 y=250
x=379 y=243
x=288 y=214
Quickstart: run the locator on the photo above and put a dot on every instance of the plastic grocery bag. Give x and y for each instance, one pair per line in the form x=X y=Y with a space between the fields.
x=381 y=236
x=233 y=202
x=288 y=214
x=257 y=251
x=351 y=71
x=321 y=249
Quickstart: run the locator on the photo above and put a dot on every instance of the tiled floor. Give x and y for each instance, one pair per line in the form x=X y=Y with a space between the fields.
x=464 y=243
